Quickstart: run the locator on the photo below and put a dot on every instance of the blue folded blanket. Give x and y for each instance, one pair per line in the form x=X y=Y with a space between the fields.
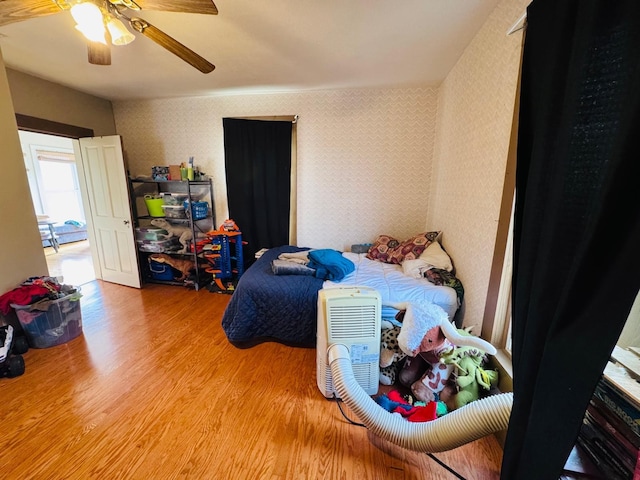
x=286 y=267
x=330 y=264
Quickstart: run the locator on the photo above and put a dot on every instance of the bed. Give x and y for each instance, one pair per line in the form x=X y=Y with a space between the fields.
x=283 y=308
x=69 y=231
x=269 y=307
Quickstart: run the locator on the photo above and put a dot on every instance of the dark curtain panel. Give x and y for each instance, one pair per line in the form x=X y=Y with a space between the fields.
x=577 y=225
x=258 y=173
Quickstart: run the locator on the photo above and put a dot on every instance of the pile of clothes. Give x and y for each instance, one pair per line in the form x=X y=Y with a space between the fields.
x=33 y=290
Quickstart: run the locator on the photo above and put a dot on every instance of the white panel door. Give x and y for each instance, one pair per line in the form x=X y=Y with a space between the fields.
x=109 y=219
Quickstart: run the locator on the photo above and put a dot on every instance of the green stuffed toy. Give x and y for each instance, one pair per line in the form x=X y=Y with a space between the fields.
x=470 y=376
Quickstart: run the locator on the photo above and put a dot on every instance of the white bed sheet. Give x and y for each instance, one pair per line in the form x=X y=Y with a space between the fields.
x=394 y=285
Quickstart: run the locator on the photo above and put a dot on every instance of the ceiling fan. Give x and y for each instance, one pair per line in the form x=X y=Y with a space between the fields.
x=101 y=22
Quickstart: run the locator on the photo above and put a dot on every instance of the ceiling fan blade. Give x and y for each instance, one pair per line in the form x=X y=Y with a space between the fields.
x=17 y=10
x=206 y=7
x=171 y=44
x=99 y=53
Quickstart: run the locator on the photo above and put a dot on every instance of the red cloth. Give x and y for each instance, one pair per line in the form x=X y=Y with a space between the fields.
x=421 y=413
x=23 y=295
x=424 y=414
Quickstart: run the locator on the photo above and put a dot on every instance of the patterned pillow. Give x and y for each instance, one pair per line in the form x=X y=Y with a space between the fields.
x=389 y=250
x=382 y=248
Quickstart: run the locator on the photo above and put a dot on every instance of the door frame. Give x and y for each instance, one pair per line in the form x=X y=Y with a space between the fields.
x=40 y=125
x=74 y=132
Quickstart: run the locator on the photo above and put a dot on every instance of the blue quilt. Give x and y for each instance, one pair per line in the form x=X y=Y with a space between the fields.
x=269 y=307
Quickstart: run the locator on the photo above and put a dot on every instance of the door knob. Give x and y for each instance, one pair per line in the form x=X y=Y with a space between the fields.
x=126 y=222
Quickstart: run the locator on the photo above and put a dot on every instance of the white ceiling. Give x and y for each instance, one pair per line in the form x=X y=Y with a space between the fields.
x=259 y=46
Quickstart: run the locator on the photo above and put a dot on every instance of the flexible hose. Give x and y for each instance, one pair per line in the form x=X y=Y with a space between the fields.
x=466 y=424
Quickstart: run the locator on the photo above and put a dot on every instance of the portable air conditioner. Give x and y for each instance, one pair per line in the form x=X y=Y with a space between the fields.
x=349 y=316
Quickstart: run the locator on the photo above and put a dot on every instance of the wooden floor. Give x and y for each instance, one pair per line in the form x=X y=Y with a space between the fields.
x=72 y=261
x=153 y=390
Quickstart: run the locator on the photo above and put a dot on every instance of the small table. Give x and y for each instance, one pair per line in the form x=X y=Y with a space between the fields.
x=51 y=235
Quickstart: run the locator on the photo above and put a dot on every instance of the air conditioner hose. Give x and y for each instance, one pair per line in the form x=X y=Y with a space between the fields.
x=466 y=424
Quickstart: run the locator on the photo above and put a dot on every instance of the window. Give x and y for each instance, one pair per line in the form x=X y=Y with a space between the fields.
x=57 y=180
x=501 y=334
x=53 y=177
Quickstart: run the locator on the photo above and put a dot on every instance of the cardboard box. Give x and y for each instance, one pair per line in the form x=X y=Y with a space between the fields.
x=174 y=172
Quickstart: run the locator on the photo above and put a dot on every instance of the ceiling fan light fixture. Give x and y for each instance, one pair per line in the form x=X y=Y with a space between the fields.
x=86 y=13
x=89 y=21
x=119 y=33
x=93 y=34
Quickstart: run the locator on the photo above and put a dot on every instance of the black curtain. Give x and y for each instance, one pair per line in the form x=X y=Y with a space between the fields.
x=258 y=174
x=577 y=222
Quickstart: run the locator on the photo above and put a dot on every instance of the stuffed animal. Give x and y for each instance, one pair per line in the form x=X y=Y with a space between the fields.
x=391 y=356
x=425 y=340
x=435 y=374
x=425 y=336
x=426 y=359
x=183 y=266
x=434 y=380
x=470 y=376
x=184 y=234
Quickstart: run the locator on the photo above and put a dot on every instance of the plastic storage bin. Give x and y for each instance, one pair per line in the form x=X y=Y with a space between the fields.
x=199 y=210
x=154 y=206
x=158 y=246
x=160 y=271
x=173 y=198
x=51 y=322
x=174 y=211
x=151 y=233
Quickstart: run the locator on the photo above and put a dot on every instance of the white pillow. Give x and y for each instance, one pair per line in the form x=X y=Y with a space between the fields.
x=415 y=268
x=436 y=256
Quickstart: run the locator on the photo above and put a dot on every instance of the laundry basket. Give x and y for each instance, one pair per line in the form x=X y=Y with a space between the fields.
x=51 y=322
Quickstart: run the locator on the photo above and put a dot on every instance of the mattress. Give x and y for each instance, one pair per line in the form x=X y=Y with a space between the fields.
x=283 y=308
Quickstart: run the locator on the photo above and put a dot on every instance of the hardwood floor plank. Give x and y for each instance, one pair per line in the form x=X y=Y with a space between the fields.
x=153 y=390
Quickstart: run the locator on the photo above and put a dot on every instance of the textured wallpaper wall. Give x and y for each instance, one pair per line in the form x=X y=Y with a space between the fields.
x=475 y=109
x=372 y=161
x=364 y=156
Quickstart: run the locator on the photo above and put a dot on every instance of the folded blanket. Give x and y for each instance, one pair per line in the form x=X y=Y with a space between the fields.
x=330 y=264
x=298 y=257
x=287 y=267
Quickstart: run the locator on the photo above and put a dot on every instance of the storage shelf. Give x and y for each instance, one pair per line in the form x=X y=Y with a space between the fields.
x=191 y=182
x=195 y=190
x=172 y=219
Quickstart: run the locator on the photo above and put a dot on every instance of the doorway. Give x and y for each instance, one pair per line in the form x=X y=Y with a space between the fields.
x=260 y=175
x=53 y=180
